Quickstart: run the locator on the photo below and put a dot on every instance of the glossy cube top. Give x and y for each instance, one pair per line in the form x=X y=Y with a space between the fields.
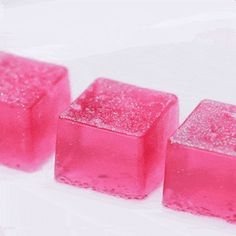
x=24 y=81
x=119 y=107
x=211 y=126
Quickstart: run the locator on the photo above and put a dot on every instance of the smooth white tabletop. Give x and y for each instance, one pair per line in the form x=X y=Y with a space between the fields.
x=184 y=47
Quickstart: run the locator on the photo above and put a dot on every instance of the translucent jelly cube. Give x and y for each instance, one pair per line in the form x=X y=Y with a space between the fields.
x=113 y=139
x=32 y=95
x=201 y=163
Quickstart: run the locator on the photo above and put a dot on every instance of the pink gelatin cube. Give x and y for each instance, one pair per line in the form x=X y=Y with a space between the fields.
x=32 y=95
x=200 y=172
x=113 y=139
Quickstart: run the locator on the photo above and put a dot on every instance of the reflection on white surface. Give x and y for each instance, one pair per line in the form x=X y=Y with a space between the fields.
x=186 y=48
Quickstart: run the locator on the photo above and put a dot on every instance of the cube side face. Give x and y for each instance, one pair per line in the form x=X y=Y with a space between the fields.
x=44 y=117
x=200 y=182
x=99 y=159
x=28 y=134
x=155 y=144
x=15 y=139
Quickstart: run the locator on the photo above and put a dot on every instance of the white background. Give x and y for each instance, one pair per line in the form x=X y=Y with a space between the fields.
x=184 y=47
